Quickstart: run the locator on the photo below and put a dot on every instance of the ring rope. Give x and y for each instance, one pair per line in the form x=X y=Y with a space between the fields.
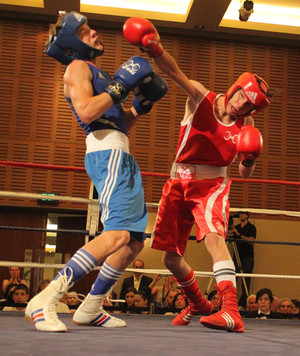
x=95 y=201
x=86 y=232
x=147 y=271
x=40 y=229
x=82 y=169
x=10 y=194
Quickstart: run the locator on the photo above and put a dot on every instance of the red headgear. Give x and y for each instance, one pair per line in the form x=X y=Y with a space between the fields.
x=255 y=89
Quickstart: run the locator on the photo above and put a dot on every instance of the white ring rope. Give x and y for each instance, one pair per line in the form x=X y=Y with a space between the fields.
x=147 y=271
x=10 y=194
x=42 y=196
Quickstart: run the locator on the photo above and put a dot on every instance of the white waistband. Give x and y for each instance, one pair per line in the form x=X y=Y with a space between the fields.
x=101 y=140
x=196 y=171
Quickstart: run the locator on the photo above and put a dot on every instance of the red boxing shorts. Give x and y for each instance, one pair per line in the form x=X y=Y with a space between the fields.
x=185 y=202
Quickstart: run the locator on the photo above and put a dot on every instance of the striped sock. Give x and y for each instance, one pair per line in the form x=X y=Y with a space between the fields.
x=81 y=264
x=190 y=287
x=224 y=271
x=106 y=278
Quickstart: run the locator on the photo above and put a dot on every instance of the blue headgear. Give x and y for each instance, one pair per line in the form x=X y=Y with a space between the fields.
x=66 y=45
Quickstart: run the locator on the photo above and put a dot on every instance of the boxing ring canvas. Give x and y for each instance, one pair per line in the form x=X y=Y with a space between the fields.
x=148 y=335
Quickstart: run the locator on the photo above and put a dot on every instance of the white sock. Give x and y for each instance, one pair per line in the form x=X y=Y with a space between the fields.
x=224 y=271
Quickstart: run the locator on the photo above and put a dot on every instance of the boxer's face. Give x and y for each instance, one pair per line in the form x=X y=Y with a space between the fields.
x=239 y=105
x=89 y=36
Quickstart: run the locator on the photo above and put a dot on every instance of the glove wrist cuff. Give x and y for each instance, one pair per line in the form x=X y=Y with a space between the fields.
x=117 y=92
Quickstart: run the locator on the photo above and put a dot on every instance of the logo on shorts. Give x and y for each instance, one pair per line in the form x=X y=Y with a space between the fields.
x=186 y=172
x=131 y=67
x=228 y=136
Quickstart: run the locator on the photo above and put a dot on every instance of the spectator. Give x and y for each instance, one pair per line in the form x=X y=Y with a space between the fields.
x=73 y=301
x=138 y=280
x=285 y=307
x=170 y=297
x=159 y=293
x=180 y=301
x=142 y=301
x=264 y=298
x=20 y=296
x=244 y=231
x=251 y=305
x=14 y=278
x=274 y=305
x=128 y=306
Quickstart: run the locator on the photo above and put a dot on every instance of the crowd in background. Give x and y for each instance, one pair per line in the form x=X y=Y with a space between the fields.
x=160 y=295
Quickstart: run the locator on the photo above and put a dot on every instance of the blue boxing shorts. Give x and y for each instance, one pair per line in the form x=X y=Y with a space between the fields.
x=118 y=181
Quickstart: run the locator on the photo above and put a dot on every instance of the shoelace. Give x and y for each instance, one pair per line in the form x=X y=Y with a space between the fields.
x=68 y=279
x=65 y=283
x=79 y=296
x=110 y=300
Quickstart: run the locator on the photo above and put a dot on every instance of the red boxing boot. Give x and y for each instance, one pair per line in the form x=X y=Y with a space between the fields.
x=204 y=307
x=198 y=305
x=228 y=318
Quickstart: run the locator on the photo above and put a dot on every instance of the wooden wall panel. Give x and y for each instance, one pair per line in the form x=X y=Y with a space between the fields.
x=43 y=127
x=221 y=73
x=203 y=57
x=38 y=126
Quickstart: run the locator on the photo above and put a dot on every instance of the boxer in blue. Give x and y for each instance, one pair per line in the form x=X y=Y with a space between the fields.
x=96 y=101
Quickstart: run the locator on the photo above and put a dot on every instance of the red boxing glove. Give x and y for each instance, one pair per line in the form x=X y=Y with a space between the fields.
x=142 y=33
x=249 y=144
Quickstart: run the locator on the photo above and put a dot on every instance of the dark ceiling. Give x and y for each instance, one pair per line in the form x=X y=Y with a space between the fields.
x=203 y=21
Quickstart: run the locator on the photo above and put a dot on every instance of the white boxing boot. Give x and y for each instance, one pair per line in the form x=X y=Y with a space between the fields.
x=42 y=308
x=91 y=313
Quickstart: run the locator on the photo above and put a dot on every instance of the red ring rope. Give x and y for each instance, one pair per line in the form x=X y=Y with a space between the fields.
x=149 y=174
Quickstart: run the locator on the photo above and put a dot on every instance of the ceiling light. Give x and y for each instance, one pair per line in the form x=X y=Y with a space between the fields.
x=31 y=3
x=266 y=17
x=167 y=10
x=246 y=10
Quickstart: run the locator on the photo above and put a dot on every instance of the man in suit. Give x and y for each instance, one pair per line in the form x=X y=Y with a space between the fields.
x=138 y=280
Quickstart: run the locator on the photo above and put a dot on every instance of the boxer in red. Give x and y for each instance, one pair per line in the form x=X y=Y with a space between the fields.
x=214 y=131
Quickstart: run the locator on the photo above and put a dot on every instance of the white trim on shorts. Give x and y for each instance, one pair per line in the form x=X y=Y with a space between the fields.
x=211 y=203
x=197 y=171
x=101 y=140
